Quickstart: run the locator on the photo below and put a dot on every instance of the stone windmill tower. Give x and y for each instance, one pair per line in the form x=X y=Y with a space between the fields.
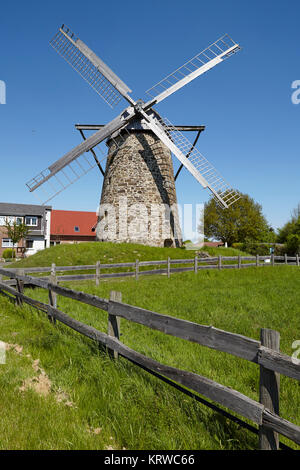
x=138 y=201
x=139 y=184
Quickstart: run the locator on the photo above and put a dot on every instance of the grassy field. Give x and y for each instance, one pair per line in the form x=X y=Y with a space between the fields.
x=83 y=400
x=90 y=253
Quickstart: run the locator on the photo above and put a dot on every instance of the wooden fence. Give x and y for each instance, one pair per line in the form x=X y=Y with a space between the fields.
x=264 y=353
x=137 y=267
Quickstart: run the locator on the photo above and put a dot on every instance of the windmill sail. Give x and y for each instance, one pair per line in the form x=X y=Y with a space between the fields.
x=201 y=63
x=70 y=167
x=111 y=88
x=99 y=76
x=55 y=184
x=197 y=164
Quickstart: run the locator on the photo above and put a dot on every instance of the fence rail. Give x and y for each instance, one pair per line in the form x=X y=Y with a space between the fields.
x=271 y=361
x=218 y=262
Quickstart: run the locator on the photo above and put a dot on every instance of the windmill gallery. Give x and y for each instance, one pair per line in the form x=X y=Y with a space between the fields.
x=139 y=147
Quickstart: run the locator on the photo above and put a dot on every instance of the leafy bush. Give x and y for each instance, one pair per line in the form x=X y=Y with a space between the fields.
x=237 y=246
x=280 y=250
x=9 y=253
x=261 y=249
x=292 y=245
x=255 y=248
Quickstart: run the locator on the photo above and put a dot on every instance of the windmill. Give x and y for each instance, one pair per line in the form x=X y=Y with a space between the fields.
x=140 y=142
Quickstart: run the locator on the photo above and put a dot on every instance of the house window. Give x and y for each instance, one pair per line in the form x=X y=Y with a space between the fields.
x=76 y=229
x=29 y=243
x=19 y=220
x=7 y=243
x=31 y=221
x=6 y=218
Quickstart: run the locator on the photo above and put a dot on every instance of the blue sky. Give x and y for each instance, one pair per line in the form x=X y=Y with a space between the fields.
x=252 y=126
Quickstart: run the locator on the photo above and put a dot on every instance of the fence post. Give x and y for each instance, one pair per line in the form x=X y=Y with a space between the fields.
x=220 y=262
x=114 y=322
x=239 y=261
x=168 y=266
x=273 y=259
x=20 y=286
x=52 y=295
x=285 y=258
x=97 y=273
x=257 y=260
x=297 y=259
x=196 y=264
x=269 y=389
x=137 y=270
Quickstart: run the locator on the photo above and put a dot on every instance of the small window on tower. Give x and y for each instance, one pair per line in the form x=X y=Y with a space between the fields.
x=76 y=229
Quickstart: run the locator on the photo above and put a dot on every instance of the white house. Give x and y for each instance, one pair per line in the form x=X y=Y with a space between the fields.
x=37 y=218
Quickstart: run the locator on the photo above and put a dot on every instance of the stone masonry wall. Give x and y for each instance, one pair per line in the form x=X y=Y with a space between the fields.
x=138 y=201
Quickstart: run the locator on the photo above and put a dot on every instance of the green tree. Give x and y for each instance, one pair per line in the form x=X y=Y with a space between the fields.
x=243 y=220
x=292 y=227
x=16 y=232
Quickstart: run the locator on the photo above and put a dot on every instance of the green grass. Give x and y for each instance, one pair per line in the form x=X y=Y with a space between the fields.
x=90 y=253
x=109 y=253
x=133 y=409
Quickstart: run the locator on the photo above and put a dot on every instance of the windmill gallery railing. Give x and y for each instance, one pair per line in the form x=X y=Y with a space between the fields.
x=265 y=353
x=165 y=267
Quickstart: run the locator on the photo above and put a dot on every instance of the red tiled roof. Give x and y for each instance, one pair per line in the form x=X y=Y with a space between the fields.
x=64 y=223
x=216 y=244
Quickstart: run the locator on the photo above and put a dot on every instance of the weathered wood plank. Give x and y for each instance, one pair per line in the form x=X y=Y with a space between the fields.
x=209 y=336
x=52 y=295
x=180 y=270
x=212 y=390
x=118 y=265
x=220 y=262
x=223 y=395
x=274 y=361
x=72 y=294
x=278 y=362
x=20 y=286
x=269 y=391
x=98 y=272
x=25 y=298
x=153 y=263
x=181 y=261
x=281 y=425
x=114 y=322
x=60 y=269
x=213 y=259
x=76 y=277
